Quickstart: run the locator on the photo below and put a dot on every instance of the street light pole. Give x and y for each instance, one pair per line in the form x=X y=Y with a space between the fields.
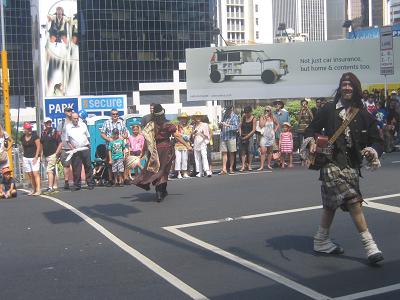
x=6 y=95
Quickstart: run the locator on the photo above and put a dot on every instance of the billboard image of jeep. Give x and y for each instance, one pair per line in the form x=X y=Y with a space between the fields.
x=228 y=64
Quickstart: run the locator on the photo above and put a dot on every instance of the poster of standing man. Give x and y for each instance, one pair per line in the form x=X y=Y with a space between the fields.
x=61 y=49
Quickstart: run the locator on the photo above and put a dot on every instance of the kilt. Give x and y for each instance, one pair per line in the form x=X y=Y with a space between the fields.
x=339 y=187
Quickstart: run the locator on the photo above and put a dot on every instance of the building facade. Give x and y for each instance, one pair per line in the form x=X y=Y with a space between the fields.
x=336 y=14
x=127 y=42
x=394 y=11
x=18 y=44
x=313 y=19
x=367 y=13
x=305 y=20
x=244 y=21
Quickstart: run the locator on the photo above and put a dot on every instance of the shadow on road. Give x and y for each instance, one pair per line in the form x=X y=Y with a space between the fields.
x=300 y=243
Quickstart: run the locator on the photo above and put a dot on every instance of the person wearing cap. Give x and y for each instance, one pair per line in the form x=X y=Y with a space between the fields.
x=181 y=152
x=31 y=159
x=7 y=187
x=247 y=129
x=6 y=142
x=77 y=137
x=229 y=127
x=340 y=174
x=51 y=147
x=117 y=153
x=158 y=133
x=201 y=138
x=304 y=118
x=106 y=132
x=61 y=129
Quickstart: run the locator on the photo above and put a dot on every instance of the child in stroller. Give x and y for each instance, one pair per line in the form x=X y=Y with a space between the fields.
x=100 y=166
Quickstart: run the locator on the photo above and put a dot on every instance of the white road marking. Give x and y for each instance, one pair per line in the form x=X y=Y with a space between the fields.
x=370 y=293
x=396 y=162
x=230 y=219
x=252 y=266
x=382 y=197
x=266 y=272
x=385 y=207
x=274 y=213
x=188 y=290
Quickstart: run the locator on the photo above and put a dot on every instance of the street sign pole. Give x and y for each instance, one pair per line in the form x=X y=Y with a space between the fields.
x=386 y=53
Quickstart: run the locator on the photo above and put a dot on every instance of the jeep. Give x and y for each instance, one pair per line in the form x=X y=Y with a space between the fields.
x=226 y=64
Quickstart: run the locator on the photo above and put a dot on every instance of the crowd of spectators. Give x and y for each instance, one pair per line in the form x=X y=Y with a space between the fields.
x=268 y=135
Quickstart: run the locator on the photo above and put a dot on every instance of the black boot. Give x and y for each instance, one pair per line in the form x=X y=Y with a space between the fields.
x=159 y=196
x=163 y=188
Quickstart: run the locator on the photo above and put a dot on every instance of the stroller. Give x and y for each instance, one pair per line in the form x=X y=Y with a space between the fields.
x=100 y=165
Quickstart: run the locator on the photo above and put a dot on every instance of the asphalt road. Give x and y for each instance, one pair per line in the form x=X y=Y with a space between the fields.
x=247 y=236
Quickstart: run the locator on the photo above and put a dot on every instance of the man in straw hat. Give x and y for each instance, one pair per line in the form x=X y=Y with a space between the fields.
x=340 y=175
x=181 y=152
x=157 y=134
x=201 y=138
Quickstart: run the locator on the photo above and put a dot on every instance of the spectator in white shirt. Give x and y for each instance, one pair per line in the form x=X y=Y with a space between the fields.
x=201 y=137
x=77 y=136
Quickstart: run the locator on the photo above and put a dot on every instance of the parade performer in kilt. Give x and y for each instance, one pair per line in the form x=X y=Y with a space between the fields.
x=340 y=173
x=157 y=134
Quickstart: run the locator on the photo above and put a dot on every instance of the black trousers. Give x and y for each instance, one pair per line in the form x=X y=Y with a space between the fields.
x=79 y=158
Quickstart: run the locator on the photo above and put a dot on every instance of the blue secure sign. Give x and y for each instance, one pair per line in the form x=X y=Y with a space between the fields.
x=54 y=107
x=103 y=103
x=94 y=105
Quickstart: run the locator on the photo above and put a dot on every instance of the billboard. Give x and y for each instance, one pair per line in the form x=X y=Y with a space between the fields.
x=292 y=70
x=59 y=49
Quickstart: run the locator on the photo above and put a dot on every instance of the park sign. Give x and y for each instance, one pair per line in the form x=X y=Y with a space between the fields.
x=54 y=107
x=94 y=105
x=292 y=70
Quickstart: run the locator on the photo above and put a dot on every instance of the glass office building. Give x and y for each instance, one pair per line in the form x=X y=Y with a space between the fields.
x=18 y=42
x=127 y=42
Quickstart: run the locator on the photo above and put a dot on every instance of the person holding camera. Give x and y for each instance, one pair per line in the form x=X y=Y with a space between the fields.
x=229 y=127
x=246 y=131
x=51 y=147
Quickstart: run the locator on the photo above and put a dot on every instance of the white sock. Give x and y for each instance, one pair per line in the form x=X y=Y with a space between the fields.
x=322 y=242
x=369 y=244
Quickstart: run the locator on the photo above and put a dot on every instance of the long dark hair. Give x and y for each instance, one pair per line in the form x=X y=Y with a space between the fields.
x=357 y=91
